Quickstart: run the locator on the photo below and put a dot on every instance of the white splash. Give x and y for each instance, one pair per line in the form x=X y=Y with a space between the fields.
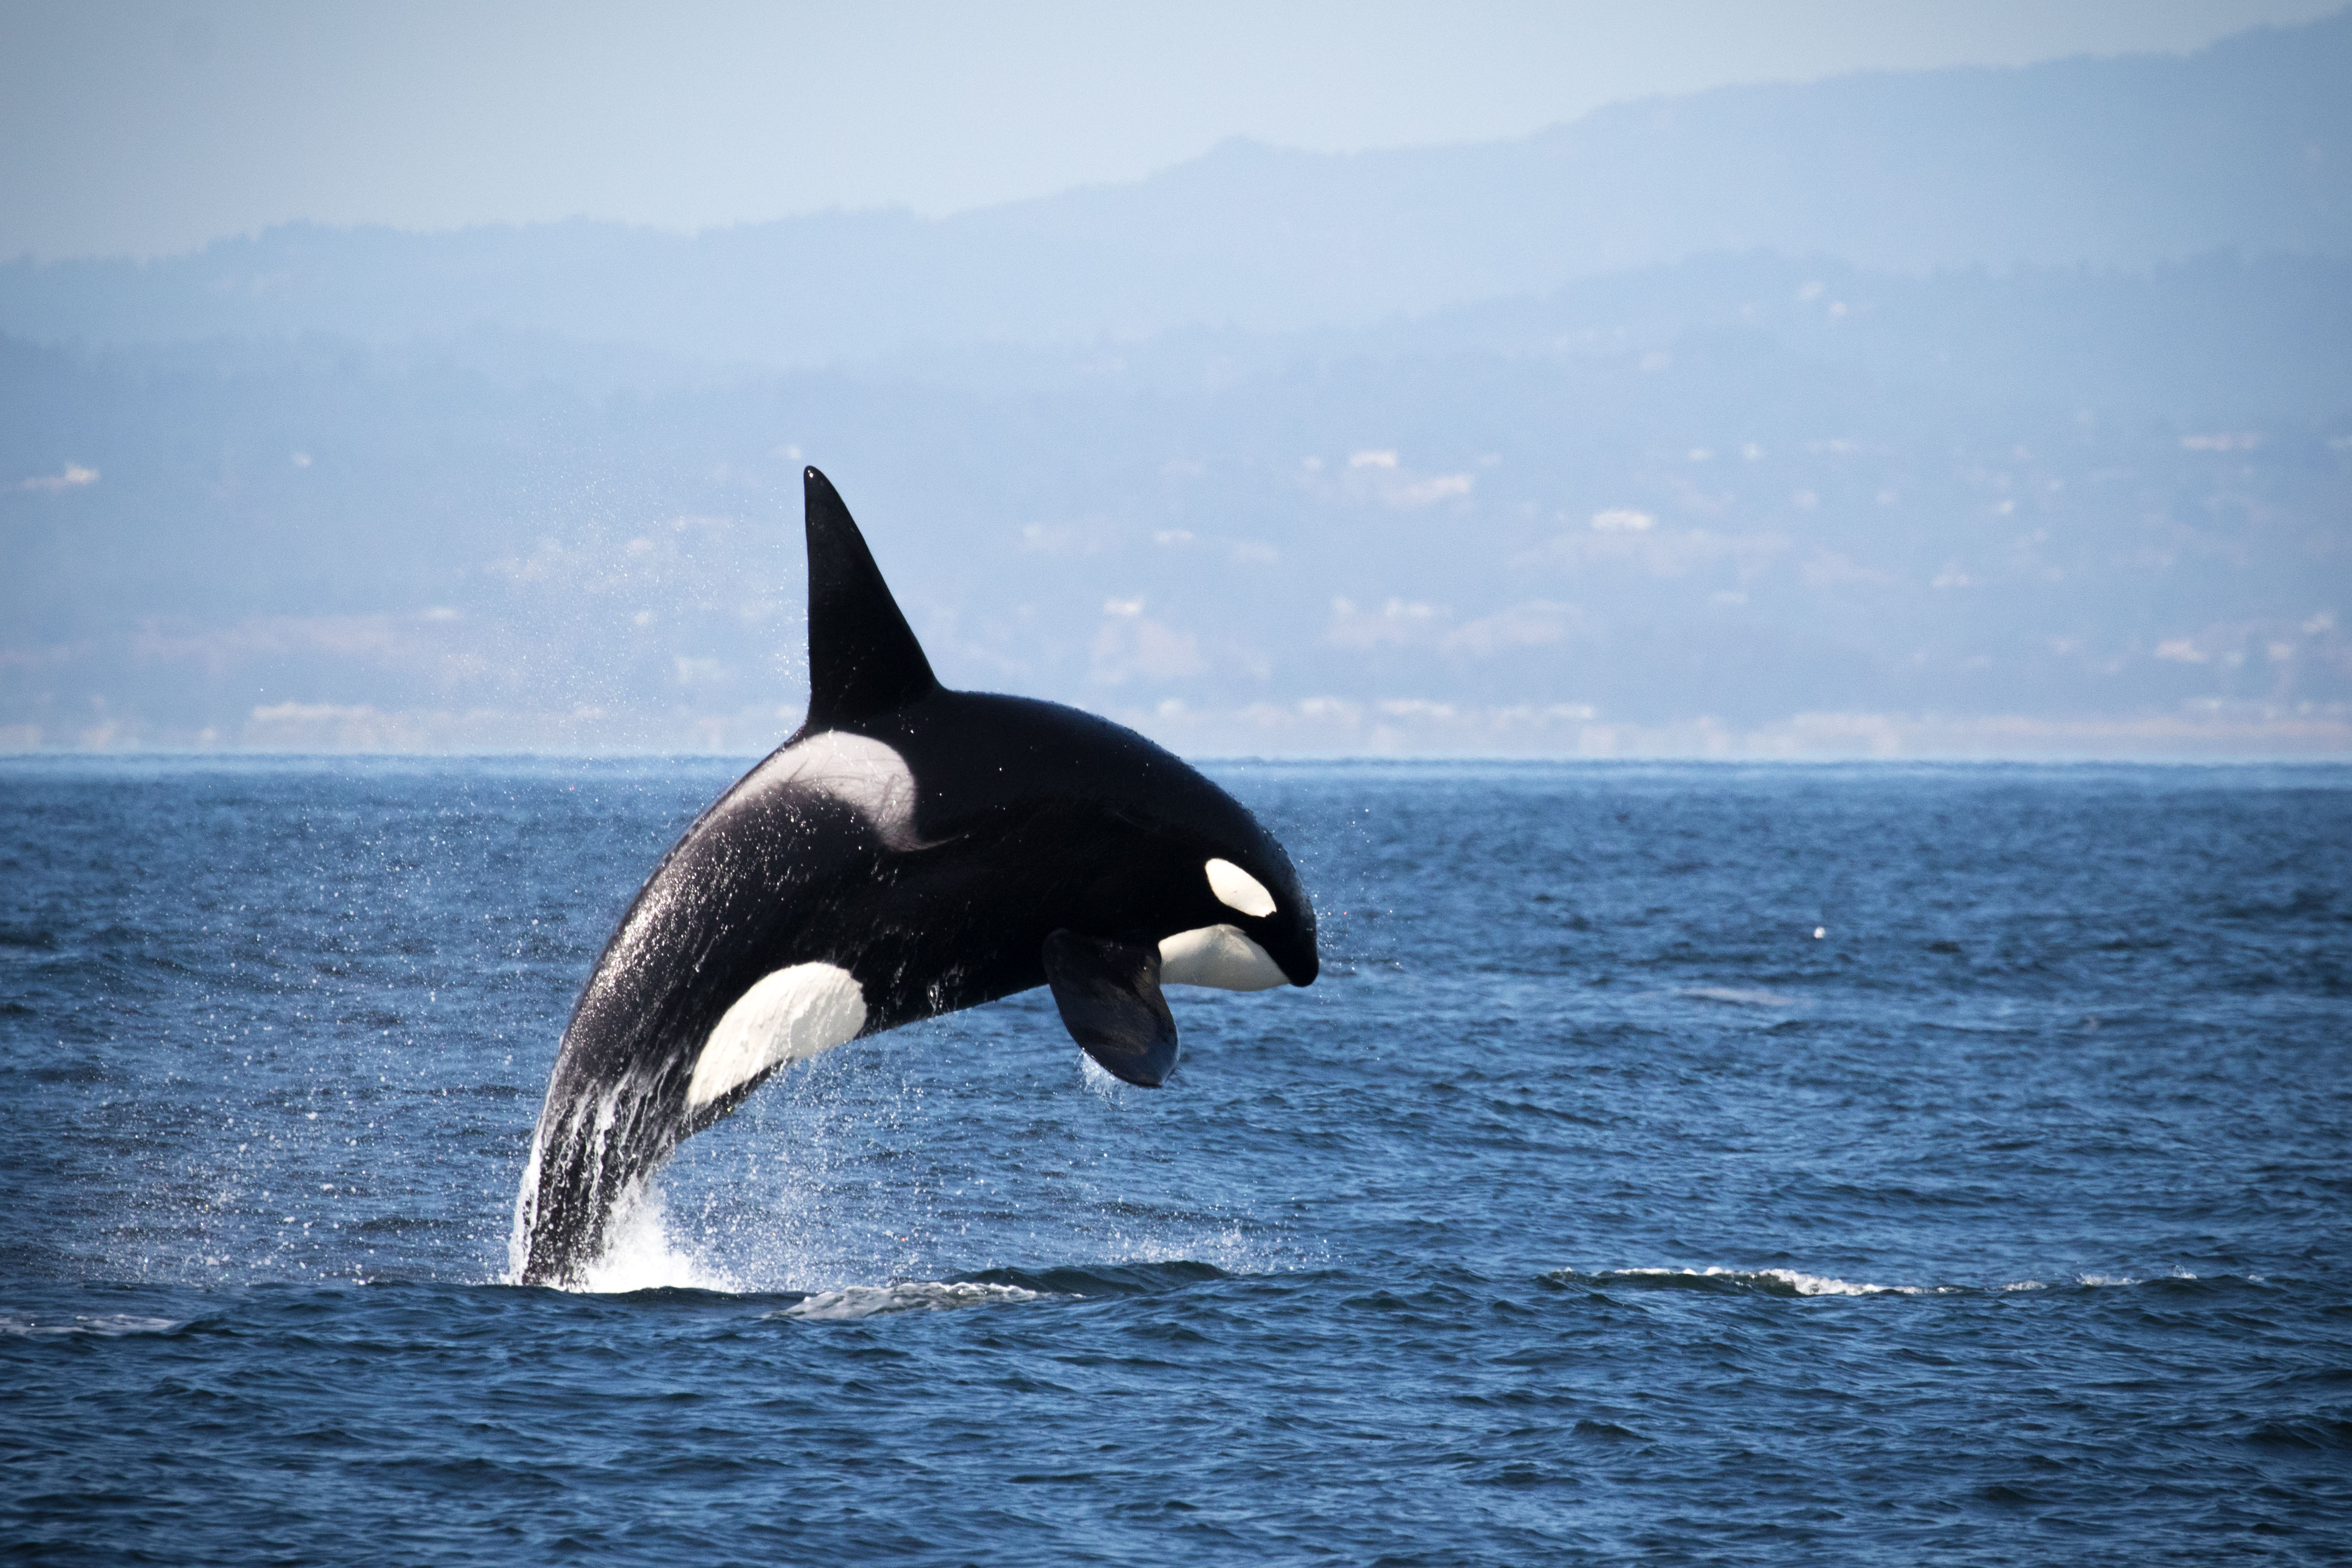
x=526 y=1211
x=1100 y=1079
x=639 y=1256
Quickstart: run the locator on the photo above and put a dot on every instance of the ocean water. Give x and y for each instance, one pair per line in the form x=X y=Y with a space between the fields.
x=1690 y=1164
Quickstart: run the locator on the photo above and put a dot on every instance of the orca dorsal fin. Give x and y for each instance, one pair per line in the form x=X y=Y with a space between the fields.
x=862 y=657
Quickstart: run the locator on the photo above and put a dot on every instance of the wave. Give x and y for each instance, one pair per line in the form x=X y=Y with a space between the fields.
x=858 y=1303
x=2111 y=1281
x=105 y=1325
x=1738 y=996
x=1123 y=1278
x=1792 y=1282
x=1000 y=1286
x=1762 y=1281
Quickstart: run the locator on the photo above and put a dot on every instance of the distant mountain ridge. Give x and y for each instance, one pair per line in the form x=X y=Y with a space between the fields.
x=1976 y=411
x=1678 y=508
x=2128 y=162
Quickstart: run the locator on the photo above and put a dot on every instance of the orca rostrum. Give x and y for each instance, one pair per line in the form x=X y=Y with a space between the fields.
x=909 y=852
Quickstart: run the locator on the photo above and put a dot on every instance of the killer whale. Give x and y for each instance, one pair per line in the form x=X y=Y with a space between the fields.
x=909 y=850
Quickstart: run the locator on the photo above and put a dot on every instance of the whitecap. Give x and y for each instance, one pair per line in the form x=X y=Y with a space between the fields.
x=105 y=1325
x=856 y=1303
x=1788 y=1281
x=1737 y=997
x=1820 y=1285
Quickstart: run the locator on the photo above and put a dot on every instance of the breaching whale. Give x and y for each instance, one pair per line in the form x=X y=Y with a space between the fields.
x=909 y=852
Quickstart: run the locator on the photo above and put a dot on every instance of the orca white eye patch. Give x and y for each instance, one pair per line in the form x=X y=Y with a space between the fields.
x=1236 y=889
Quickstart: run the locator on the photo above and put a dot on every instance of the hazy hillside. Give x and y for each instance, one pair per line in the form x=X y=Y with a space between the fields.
x=1973 y=409
x=1682 y=508
x=2246 y=146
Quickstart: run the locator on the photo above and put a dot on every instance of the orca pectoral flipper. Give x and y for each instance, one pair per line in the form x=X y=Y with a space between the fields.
x=1109 y=991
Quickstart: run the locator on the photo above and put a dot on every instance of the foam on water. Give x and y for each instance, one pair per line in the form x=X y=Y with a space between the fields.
x=1795 y=1282
x=858 y=1303
x=101 y=1325
x=1776 y=1281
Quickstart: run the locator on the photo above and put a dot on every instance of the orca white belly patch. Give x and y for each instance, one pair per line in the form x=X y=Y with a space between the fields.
x=1219 y=955
x=789 y=1016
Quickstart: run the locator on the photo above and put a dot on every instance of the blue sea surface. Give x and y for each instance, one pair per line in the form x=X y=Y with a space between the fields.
x=1902 y=1165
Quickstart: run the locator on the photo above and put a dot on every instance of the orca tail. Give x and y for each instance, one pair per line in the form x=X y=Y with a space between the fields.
x=863 y=656
x=601 y=1137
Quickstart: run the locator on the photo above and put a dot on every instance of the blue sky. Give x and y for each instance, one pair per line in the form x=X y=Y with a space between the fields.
x=146 y=129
